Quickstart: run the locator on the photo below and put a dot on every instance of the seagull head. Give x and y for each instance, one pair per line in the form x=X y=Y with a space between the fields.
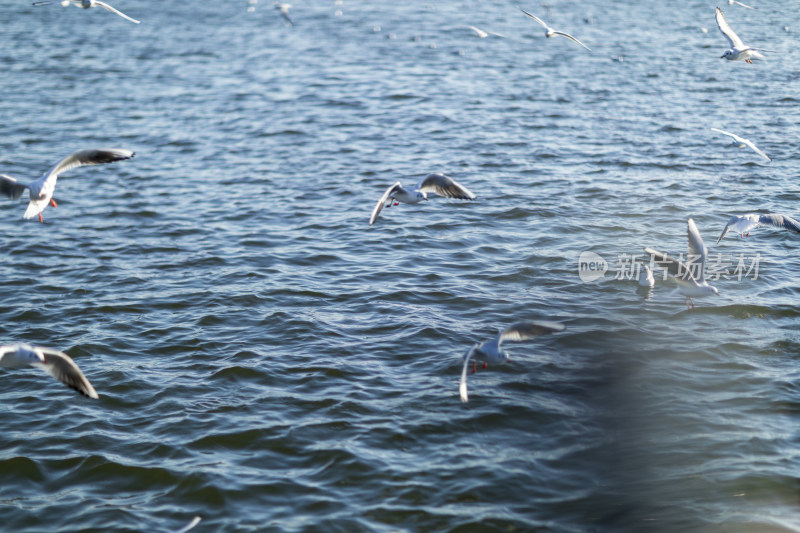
x=729 y=54
x=422 y=195
x=711 y=290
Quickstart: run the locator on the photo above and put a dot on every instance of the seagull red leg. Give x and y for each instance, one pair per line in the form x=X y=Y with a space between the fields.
x=53 y=203
x=41 y=219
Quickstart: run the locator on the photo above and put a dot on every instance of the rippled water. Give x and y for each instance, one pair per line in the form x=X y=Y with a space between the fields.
x=269 y=361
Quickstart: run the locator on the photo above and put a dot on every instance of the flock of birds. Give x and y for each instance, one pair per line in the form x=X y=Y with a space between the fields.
x=690 y=278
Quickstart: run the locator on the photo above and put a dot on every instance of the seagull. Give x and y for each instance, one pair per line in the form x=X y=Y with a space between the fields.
x=734 y=2
x=490 y=352
x=41 y=190
x=549 y=32
x=691 y=281
x=284 y=10
x=86 y=4
x=483 y=34
x=435 y=183
x=57 y=364
x=743 y=224
x=196 y=520
x=741 y=143
x=738 y=51
x=646 y=278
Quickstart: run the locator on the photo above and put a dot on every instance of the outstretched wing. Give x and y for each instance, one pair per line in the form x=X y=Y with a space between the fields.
x=733 y=39
x=696 y=249
x=462 y=386
x=780 y=221
x=534 y=17
x=729 y=134
x=10 y=187
x=568 y=36
x=756 y=149
x=118 y=12
x=63 y=368
x=444 y=186
x=522 y=331
x=379 y=206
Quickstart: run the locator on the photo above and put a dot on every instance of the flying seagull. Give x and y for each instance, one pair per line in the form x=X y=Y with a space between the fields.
x=436 y=183
x=57 y=364
x=86 y=4
x=735 y=2
x=691 y=278
x=549 y=32
x=743 y=224
x=41 y=190
x=284 y=11
x=741 y=143
x=490 y=352
x=738 y=51
x=483 y=34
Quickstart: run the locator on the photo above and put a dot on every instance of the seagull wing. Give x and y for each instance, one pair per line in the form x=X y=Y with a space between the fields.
x=63 y=368
x=522 y=331
x=534 y=17
x=570 y=37
x=677 y=269
x=118 y=12
x=444 y=186
x=196 y=520
x=10 y=187
x=462 y=386
x=780 y=221
x=729 y=134
x=755 y=148
x=743 y=5
x=479 y=32
x=733 y=39
x=379 y=206
x=697 y=249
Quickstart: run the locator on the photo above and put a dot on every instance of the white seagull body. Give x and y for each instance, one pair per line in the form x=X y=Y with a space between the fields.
x=284 y=11
x=742 y=142
x=86 y=4
x=41 y=190
x=490 y=351
x=57 y=364
x=436 y=183
x=738 y=51
x=743 y=224
x=691 y=281
x=550 y=32
x=646 y=278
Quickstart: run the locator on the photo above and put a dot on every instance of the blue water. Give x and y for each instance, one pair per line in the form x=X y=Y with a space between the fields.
x=267 y=360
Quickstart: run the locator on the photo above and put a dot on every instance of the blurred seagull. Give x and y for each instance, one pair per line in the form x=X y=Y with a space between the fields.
x=57 y=364
x=284 y=10
x=738 y=51
x=436 y=183
x=646 y=278
x=41 y=190
x=483 y=34
x=86 y=4
x=734 y=2
x=196 y=520
x=741 y=143
x=490 y=351
x=549 y=32
x=691 y=281
x=743 y=224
